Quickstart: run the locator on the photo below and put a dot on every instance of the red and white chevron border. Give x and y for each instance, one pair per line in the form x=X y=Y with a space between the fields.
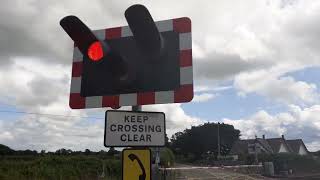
x=183 y=94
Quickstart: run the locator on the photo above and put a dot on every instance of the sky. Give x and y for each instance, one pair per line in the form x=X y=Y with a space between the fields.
x=256 y=66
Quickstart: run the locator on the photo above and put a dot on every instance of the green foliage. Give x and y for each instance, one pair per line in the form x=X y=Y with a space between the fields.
x=5 y=150
x=204 y=139
x=317 y=153
x=166 y=157
x=112 y=152
x=58 y=167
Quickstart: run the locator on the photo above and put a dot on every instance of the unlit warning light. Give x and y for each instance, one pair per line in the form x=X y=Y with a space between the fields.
x=95 y=51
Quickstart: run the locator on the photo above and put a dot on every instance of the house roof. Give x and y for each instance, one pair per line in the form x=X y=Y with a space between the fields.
x=241 y=146
x=271 y=145
x=295 y=145
x=275 y=144
x=265 y=144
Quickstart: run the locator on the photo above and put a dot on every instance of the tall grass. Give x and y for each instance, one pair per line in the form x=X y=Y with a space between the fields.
x=59 y=167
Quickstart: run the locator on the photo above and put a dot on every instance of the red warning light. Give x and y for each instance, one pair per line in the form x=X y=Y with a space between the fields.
x=95 y=51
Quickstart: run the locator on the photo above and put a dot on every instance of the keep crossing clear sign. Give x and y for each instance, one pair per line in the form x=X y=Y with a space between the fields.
x=127 y=128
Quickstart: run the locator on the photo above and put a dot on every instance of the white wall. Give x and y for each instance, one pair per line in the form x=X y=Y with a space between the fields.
x=283 y=148
x=302 y=150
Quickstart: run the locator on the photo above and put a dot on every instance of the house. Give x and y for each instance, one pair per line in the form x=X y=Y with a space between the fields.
x=269 y=146
x=298 y=147
x=279 y=145
x=250 y=146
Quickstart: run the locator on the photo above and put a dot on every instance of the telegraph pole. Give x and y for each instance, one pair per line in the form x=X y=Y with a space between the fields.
x=218 y=141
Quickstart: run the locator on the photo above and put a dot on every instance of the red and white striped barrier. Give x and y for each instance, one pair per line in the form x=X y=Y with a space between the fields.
x=211 y=167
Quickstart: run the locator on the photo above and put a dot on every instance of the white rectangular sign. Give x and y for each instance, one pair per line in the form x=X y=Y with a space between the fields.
x=127 y=128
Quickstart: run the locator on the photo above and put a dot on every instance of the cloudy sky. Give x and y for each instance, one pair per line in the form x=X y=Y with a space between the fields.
x=256 y=66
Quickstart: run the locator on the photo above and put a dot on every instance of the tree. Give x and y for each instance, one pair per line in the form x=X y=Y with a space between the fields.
x=27 y=152
x=87 y=152
x=5 y=150
x=166 y=140
x=317 y=153
x=204 y=138
x=63 y=151
x=112 y=151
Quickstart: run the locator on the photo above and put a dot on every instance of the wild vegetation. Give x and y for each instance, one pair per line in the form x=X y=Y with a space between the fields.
x=58 y=167
x=62 y=164
x=66 y=164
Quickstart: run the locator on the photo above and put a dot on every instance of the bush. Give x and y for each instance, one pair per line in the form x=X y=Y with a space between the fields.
x=166 y=157
x=247 y=158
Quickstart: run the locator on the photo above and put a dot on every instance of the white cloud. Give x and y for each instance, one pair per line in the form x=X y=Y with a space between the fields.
x=297 y=123
x=201 y=88
x=52 y=133
x=264 y=34
x=176 y=118
x=76 y=133
x=206 y=88
x=313 y=146
x=204 y=97
x=198 y=52
x=31 y=83
x=271 y=84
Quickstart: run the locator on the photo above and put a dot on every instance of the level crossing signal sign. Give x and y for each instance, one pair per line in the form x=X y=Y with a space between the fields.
x=146 y=62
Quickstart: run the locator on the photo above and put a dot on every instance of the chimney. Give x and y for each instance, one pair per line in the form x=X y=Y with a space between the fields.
x=282 y=136
x=263 y=137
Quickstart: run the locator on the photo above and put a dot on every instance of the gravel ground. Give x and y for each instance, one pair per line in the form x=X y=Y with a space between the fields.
x=206 y=174
x=214 y=174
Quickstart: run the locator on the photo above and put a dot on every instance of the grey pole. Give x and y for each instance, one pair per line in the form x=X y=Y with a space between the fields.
x=136 y=108
x=218 y=140
x=154 y=171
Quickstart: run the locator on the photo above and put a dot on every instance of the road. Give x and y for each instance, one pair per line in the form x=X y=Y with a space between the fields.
x=184 y=172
